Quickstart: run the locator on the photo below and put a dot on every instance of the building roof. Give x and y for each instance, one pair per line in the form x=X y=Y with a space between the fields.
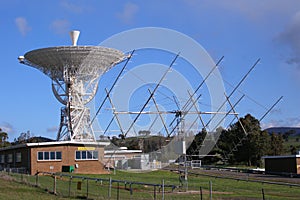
x=55 y=143
x=122 y=151
x=285 y=156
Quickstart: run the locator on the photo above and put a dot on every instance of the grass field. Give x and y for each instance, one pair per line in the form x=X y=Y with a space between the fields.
x=11 y=190
x=222 y=188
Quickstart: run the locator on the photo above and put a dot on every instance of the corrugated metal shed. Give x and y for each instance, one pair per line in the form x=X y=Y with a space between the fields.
x=282 y=164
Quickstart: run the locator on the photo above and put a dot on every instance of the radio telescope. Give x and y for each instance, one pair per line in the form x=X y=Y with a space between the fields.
x=75 y=72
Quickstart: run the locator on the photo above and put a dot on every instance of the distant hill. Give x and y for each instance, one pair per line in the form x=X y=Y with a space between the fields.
x=39 y=139
x=146 y=143
x=33 y=140
x=282 y=130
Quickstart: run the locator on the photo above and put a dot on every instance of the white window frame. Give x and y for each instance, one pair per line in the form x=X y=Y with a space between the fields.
x=49 y=156
x=87 y=152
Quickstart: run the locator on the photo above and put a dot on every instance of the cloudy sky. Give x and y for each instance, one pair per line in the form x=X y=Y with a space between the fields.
x=242 y=31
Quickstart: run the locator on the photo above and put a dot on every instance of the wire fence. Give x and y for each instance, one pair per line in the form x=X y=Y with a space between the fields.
x=199 y=186
x=67 y=185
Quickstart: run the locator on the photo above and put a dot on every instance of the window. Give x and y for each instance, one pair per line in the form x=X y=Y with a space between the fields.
x=58 y=155
x=2 y=159
x=18 y=157
x=78 y=155
x=40 y=155
x=52 y=155
x=83 y=155
x=86 y=155
x=46 y=155
x=9 y=158
x=89 y=155
x=49 y=155
x=95 y=155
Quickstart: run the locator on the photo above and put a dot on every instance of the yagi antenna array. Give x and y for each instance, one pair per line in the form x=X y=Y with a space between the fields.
x=75 y=72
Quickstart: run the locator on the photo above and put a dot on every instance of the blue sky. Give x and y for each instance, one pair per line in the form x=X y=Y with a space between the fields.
x=242 y=31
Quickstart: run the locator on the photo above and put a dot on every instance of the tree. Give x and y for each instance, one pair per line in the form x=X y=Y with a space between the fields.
x=293 y=150
x=3 y=138
x=244 y=147
x=237 y=146
x=196 y=144
x=276 y=144
x=262 y=145
x=23 y=138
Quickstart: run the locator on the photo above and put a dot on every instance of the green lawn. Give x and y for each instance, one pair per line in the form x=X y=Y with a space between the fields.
x=11 y=190
x=222 y=188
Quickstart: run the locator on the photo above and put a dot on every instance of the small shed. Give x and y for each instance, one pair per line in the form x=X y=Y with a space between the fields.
x=289 y=164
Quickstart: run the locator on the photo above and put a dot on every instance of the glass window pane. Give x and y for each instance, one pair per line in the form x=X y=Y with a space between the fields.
x=58 y=155
x=40 y=156
x=78 y=156
x=83 y=153
x=46 y=155
x=10 y=158
x=52 y=155
x=18 y=157
x=2 y=159
x=89 y=155
x=95 y=155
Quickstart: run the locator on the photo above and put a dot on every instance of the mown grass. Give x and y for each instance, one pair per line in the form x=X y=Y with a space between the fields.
x=222 y=188
x=11 y=190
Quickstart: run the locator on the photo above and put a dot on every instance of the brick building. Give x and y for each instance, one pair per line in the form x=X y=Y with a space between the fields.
x=79 y=157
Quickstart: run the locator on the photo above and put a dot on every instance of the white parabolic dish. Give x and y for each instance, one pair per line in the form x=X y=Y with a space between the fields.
x=85 y=59
x=75 y=73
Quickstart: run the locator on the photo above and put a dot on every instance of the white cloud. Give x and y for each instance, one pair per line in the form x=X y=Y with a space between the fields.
x=7 y=127
x=259 y=9
x=52 y=129
x=22 y=25
x=276 y=111
x=267 y=15
x=289 y=122
x=128 y=13
x=291 y=38
x=60 y=26
x=254 y=10
x=72 y=7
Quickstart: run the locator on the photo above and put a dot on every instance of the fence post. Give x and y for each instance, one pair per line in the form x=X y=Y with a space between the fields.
x=200 y=192
x=87 y=188
x=118 y=191
x=54 y=185
x=130 y=190
x=210 y=190
x=163 y=189
x=70 y=182
x=37 y=180
x=154 y=195
x=109 y=188
x=263 y=193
